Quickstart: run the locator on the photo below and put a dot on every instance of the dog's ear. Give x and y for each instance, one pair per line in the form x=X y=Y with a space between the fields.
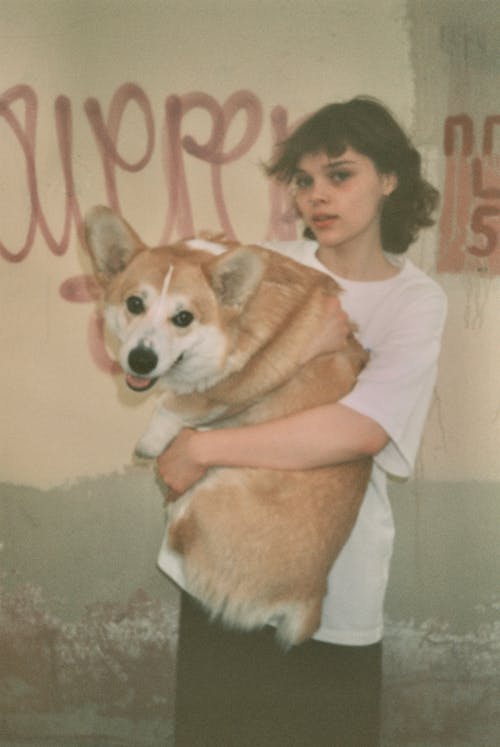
x=110 y=240
x=236 y=274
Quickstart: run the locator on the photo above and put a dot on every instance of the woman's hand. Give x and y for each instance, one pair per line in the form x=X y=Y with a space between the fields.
x=178 y=467
x=333 y=334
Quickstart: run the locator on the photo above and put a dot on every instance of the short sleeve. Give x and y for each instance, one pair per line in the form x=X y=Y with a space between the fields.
x=396 y=387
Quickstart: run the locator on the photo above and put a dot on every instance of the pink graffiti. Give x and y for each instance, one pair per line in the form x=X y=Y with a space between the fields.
x=25 y=133
x=174 y=147
x=471 y=201
x=84 y=289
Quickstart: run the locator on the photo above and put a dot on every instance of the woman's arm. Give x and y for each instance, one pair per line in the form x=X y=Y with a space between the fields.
x=319 y=437
x=315 y=438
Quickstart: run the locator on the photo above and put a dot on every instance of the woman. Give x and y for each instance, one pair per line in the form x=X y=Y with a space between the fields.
x=356 y=183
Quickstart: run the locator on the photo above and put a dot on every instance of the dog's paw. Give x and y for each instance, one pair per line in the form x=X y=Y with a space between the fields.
x=163 y=428
x=149 y=446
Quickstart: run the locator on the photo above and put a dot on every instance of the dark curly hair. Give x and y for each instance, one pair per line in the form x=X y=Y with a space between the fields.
x=366 y=126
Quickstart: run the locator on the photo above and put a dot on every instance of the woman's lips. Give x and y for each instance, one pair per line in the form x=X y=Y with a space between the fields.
x=323 y=221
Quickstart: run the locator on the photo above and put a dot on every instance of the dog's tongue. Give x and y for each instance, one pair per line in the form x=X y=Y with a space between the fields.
x=137 y=382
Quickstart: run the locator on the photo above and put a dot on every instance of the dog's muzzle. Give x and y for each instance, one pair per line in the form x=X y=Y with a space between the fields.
x=141 y=361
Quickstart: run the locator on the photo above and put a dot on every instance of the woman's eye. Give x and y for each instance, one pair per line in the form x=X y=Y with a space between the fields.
x=182 y=319
x=301 y=181
x=339 y=176
x=135 y=305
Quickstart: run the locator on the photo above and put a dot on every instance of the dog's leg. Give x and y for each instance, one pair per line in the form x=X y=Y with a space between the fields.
x=163 y=428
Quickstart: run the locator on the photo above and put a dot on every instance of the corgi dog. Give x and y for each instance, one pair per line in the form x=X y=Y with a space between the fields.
x=223 y=330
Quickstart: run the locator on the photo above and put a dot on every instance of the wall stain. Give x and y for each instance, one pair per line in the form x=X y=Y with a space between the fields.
x=119 y=657
x=441 y=688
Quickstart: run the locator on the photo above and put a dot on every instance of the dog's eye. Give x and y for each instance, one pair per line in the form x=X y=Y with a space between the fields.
x=135 y=305
x=183 y=319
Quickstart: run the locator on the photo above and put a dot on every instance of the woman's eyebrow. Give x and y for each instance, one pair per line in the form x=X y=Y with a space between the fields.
x=344 y=162
x=330 y=164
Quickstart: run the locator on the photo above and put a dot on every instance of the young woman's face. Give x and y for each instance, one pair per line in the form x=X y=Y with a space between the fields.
x=339 y=197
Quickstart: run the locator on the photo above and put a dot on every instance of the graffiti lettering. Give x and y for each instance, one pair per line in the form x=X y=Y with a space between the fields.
x=26 y=137
x=175 y=146
x=106 y=135
x=471 y=200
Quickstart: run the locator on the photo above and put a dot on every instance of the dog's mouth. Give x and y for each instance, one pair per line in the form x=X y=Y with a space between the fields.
x=139 y=383
x=143 y=383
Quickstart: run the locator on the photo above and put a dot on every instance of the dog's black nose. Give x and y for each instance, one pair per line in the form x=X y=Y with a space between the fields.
x=142 y=360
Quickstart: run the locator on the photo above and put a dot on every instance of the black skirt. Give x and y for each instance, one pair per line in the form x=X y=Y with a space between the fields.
x=239 y=689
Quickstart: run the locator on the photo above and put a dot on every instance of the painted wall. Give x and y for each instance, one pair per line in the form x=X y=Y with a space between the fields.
x=165 y=110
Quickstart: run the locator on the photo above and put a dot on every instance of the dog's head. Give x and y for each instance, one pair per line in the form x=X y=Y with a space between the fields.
x=170 y=308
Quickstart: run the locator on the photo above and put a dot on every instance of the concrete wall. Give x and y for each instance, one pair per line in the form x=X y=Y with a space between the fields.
x=97 y=101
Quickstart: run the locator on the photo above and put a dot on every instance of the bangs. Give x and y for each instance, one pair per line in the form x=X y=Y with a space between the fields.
x=328 y=133
x=361 y=124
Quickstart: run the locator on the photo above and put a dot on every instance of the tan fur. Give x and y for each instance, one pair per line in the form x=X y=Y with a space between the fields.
x=257 y=544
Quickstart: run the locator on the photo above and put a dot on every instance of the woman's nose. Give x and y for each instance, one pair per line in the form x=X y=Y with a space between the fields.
x=318 y=193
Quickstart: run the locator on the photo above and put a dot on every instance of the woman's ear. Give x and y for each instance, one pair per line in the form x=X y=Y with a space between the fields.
x=389 y=183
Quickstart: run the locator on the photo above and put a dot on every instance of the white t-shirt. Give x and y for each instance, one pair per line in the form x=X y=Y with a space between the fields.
x=400 y=321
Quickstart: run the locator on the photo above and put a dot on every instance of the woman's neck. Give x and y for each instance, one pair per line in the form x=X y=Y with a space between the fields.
x=369 y=265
